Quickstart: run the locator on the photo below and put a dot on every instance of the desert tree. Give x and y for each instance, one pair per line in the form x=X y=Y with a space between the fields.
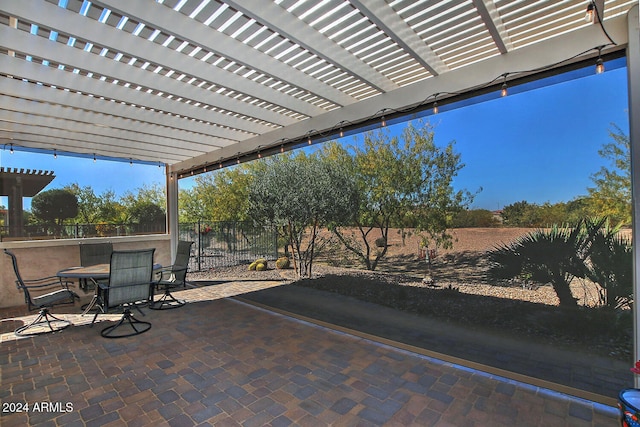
x=611 y=195
x=302 y=194
x=404 y=180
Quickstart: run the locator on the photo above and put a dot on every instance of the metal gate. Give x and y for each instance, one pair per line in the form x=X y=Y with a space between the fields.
x=219 y=244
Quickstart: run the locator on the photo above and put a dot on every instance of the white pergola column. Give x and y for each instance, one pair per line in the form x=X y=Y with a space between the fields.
x=633 y=75
x=172 y=211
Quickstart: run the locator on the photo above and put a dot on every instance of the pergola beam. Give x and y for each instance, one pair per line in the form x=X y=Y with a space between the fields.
x=379 y=12
x=272 y=15
x=457 y=81
x=37 y=93
x=103 y=66
x=161 y=17
x=70 y=23
x=25 y=111
x=491 y=18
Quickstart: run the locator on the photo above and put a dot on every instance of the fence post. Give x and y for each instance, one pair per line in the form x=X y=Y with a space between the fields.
x=199 y=248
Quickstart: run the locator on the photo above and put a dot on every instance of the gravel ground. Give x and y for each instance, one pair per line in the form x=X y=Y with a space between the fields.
x=460 y=292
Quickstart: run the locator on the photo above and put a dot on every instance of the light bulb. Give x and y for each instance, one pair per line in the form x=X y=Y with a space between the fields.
x=599 y=66
x=94 y=157
x=55 y=154
x=384 y=122
x=11 y=149
x=588 y=17
x=341 y=133
x=435 y=107
x=504 y=91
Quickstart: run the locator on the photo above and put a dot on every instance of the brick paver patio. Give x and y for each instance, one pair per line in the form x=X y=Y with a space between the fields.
x=218 y=361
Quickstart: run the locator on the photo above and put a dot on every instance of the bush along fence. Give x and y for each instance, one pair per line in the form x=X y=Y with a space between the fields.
x=219 y=244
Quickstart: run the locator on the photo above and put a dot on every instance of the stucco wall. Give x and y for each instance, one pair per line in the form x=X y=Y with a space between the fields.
x=45 y=258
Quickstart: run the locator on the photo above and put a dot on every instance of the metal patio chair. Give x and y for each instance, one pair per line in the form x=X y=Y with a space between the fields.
x=130 y=282
x=93 y=254
x=172 y=277
x=45 y=322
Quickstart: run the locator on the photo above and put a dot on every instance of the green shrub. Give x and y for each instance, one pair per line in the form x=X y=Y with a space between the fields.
x=282 y=262
x=261 y=267
x=380 y=242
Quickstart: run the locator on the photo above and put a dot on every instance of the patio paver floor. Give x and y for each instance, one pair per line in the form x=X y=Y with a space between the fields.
x=218 y=361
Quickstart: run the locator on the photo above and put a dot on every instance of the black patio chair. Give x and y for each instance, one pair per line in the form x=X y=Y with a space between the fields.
x=45 y=322
x=93 y=254
x=130 y=282
x=172 y=277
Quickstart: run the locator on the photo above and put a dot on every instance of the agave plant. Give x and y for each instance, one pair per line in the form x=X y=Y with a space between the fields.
x=554 y=255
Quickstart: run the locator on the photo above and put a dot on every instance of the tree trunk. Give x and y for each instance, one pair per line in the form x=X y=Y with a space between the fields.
x=563 y=291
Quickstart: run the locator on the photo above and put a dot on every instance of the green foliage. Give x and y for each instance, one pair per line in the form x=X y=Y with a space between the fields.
x=283 y=263
x=54 y=206
x=552 y=255
x=474 y=218
x=221 y=195
x=611 y=195
x=525 y=214
x=404 y=182
x=589 y=249
x=302 y=194
x=611 y=264
x=146 y=212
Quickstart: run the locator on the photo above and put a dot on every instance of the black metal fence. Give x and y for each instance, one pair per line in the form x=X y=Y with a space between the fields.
x=216 y=244
x=78 y=231
x=219 y=244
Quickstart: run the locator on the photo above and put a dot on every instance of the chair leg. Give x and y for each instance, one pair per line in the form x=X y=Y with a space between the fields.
x=166 y=302
x=138 y=326
x=52 y=322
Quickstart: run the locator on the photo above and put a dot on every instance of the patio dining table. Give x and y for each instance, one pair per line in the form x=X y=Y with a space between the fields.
x=95 y=273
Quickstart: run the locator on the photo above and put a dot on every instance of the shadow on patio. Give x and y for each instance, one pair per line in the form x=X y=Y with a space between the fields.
x=219 y=361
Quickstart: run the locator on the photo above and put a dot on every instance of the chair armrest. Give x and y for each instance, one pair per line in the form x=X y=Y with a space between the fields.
x=44 y=282
x=168 y=271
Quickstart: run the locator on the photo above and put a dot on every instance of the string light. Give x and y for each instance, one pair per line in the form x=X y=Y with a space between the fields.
x=130 y=162
x=591 y=9
x=11 y=149
x=55 y=154
x=94 y=157
x=599 y=63
x=449 y=97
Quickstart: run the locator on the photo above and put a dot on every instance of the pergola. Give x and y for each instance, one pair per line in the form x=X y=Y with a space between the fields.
x=201 y=84
x=17 y=184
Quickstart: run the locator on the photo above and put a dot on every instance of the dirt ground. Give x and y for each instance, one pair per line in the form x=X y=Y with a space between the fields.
x=459 y=291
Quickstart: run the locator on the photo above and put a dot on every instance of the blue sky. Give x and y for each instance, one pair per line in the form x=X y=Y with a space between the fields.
x=539 y=145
